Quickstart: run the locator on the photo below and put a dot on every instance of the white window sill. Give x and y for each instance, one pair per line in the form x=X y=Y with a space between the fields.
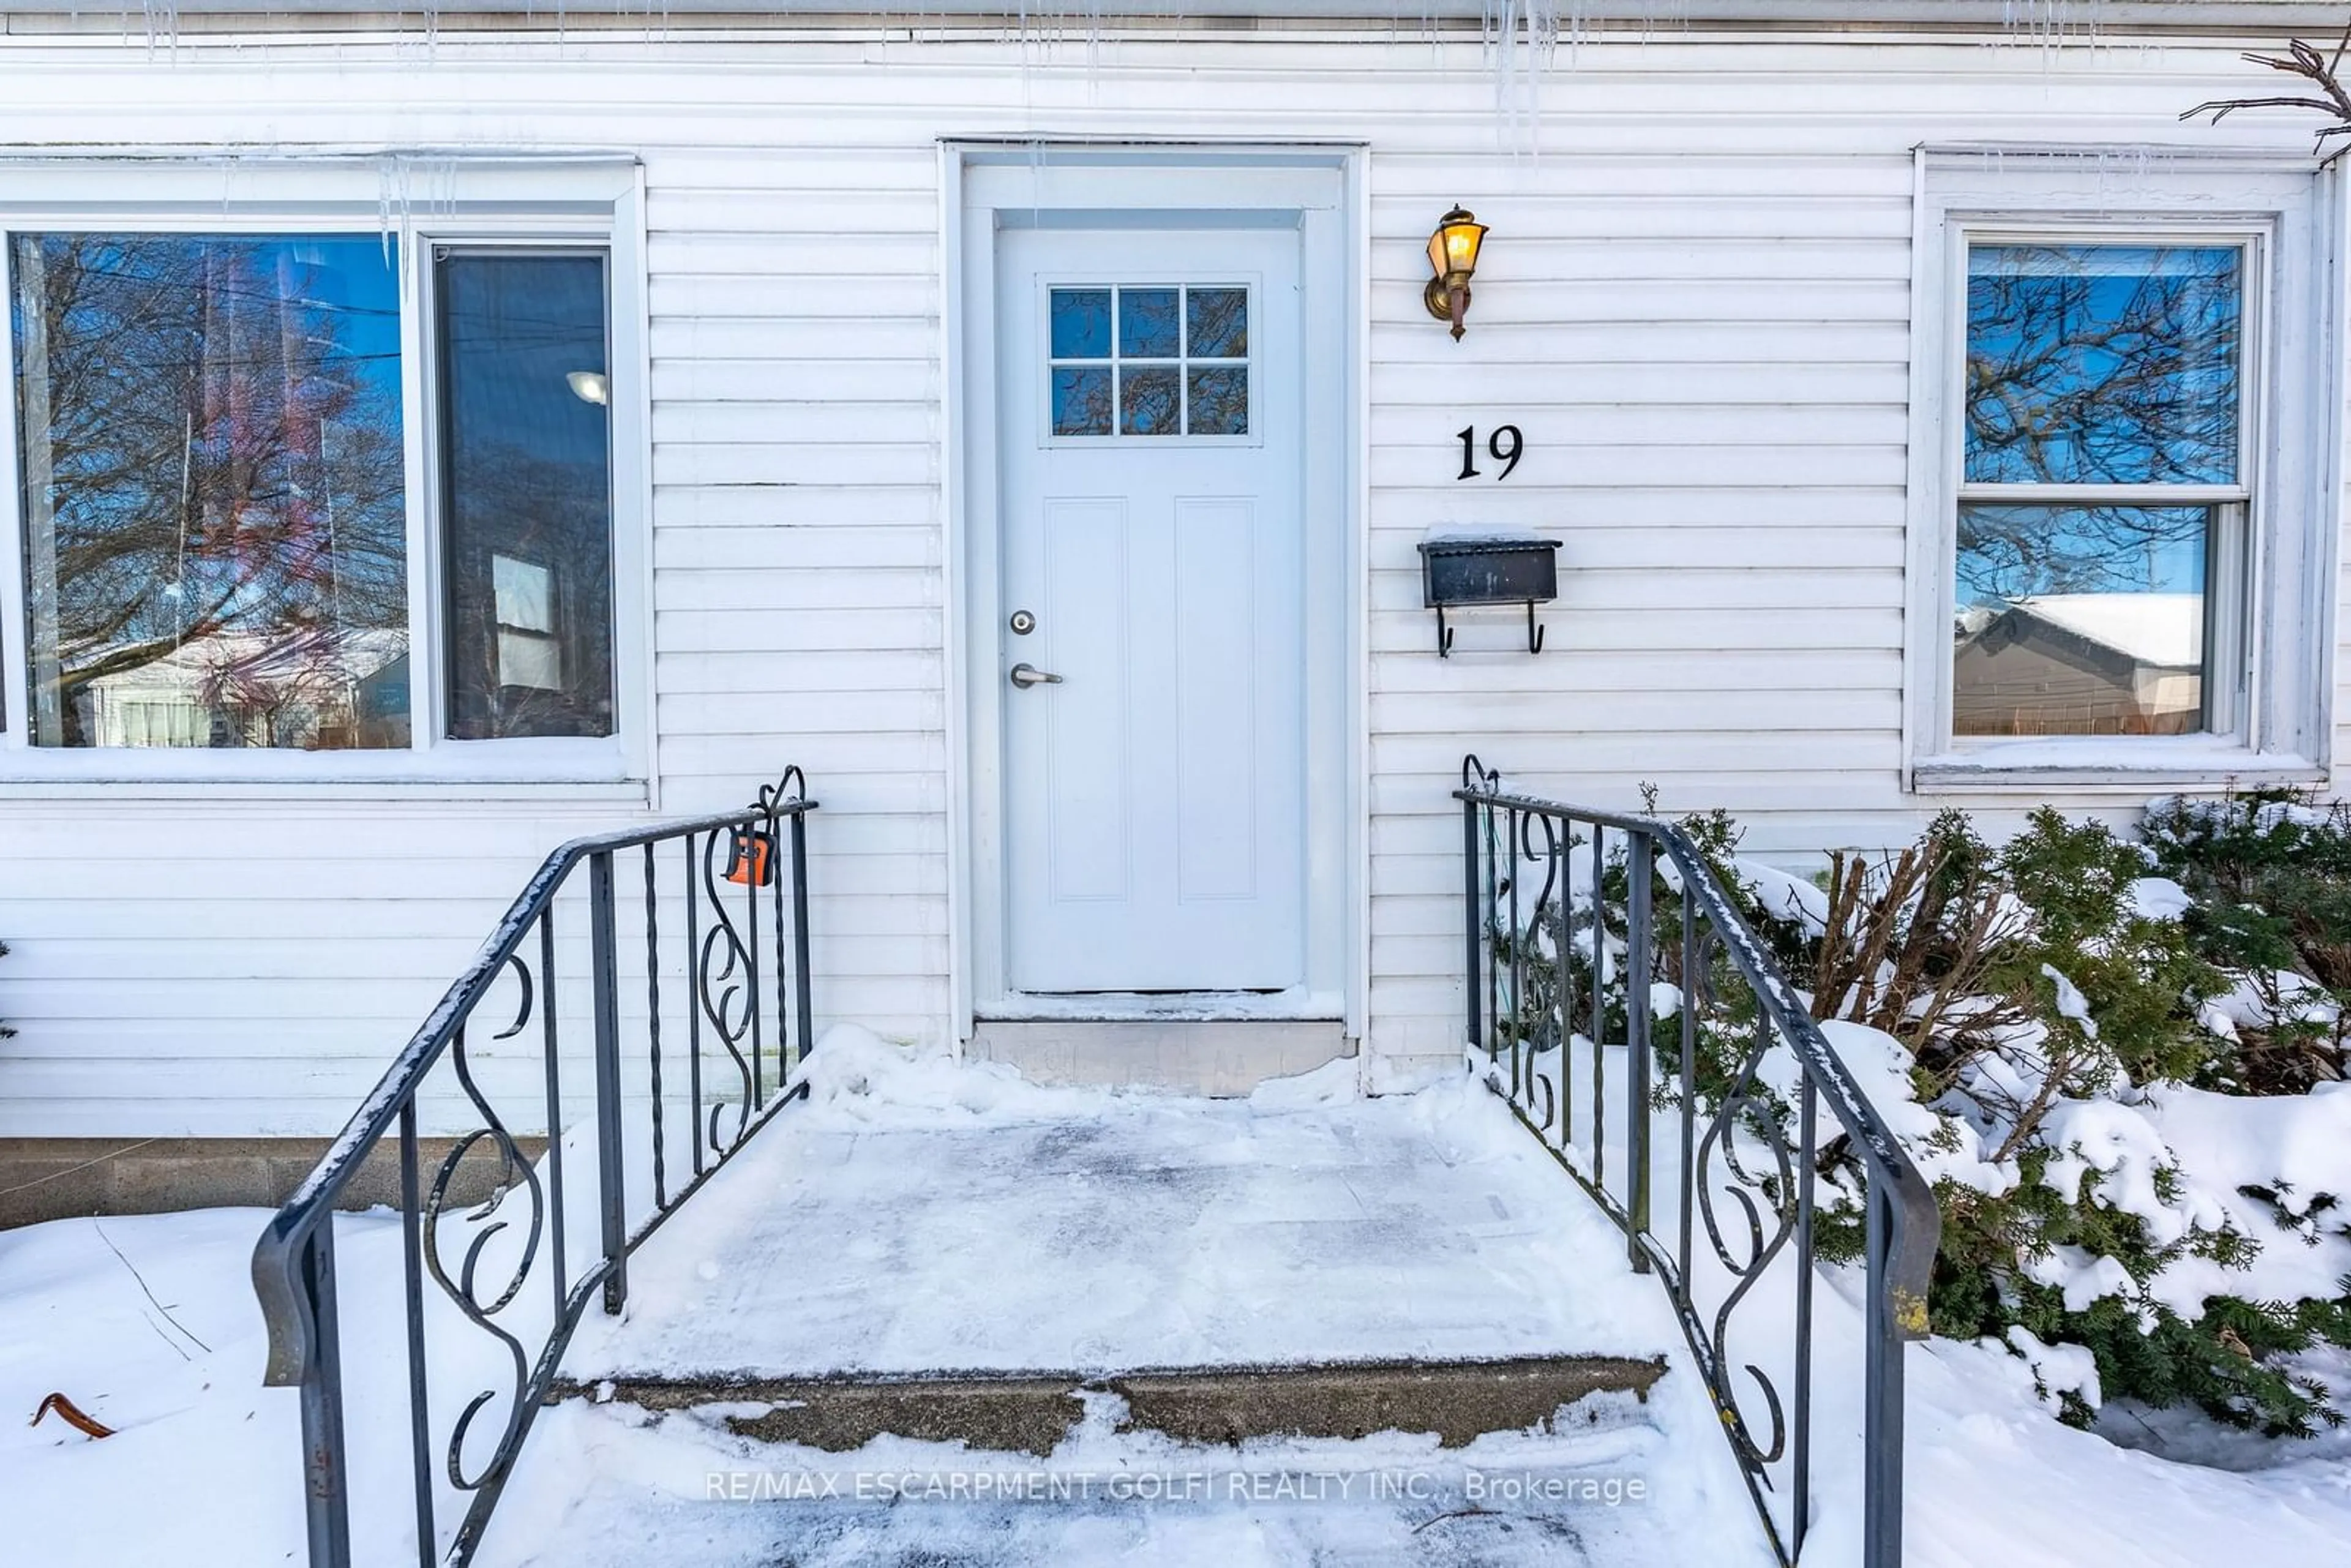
x=225 y=789
x=526 y=770
x=2122 y=764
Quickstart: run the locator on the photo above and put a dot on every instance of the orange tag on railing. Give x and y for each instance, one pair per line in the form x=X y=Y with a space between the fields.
x=751 y=857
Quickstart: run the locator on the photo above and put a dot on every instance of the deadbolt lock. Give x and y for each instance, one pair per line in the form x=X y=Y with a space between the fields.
x=1023 y=624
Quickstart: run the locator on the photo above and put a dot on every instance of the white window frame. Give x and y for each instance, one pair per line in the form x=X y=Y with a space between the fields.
x=534 y=204
x=2287 y=215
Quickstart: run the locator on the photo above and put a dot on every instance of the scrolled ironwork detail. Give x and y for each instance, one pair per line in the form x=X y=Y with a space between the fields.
x=1548 y=855
x=1540 y=981
x=785 y=793
x=1743 y=1107
x=1699 y=984
x=725 y=989
x=1534 y=1077
x=465 y=1291
x=523 y=1007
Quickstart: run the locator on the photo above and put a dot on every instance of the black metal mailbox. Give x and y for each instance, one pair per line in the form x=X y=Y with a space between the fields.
x=1487 y=568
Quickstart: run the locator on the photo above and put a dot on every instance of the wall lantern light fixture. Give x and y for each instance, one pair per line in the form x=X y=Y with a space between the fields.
x=1453 y=258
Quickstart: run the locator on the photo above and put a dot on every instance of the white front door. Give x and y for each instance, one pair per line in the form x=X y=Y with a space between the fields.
x=1149 y=420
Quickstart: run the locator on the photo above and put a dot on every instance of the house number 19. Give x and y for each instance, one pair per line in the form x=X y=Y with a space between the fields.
x=1504 y=446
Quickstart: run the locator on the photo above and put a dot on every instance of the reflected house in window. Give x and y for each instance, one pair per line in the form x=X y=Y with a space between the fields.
x=522 y=596
x=215 y=491
x=324 y=693
x=2080 y=663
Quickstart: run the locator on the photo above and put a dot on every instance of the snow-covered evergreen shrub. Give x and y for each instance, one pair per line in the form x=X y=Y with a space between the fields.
x=2063 y=1039
x=2055 y=1013
x=2269 y=876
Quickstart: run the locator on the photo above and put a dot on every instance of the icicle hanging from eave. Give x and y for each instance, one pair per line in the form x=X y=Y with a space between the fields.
x=2029 y=21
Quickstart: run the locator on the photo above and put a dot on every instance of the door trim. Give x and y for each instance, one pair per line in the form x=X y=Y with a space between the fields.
x=983 y=186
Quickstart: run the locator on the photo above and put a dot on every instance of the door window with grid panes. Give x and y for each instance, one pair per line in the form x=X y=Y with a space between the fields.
x=1150 y=361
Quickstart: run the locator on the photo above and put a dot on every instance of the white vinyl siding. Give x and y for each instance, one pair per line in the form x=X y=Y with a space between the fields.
x=1694 y=302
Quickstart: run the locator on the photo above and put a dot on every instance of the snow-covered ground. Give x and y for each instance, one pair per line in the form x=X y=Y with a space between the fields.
x=611 y=1486
x=1994 y=1479
x=150 y=1325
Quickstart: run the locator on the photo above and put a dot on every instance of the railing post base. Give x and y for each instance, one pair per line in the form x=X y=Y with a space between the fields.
x=611 y=1173
x=1638 y=961
x=325 y=1489
x=1882 y=1428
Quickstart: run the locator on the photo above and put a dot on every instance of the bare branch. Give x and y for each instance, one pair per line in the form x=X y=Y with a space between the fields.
x=2303 y=60
x=2220 y=108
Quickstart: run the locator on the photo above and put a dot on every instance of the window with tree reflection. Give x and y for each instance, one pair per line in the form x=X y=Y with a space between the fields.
x=217 y=508
x=214 y=494
x=2101 y=511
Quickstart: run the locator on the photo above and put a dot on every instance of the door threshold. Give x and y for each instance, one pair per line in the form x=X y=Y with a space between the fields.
x=1162 y=1007
x=1189 y=1055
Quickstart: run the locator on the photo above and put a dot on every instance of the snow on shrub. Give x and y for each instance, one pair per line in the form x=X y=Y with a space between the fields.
x=2266 y=880
x=2118 y=1062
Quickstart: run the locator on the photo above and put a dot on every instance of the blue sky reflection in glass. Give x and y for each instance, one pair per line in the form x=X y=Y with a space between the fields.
x=1148 y=361
x=1081 y=323
x=2103 y=364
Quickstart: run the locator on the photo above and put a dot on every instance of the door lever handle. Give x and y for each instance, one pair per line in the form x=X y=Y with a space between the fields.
x=1026 y=675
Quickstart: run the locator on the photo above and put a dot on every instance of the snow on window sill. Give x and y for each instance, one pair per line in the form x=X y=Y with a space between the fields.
x=2129 y=763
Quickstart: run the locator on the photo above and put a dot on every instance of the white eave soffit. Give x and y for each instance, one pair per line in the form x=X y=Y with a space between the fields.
x=2041 y=20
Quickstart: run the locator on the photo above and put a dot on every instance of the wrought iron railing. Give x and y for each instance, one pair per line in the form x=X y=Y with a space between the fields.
x=745 y=1009
x=1580 y=925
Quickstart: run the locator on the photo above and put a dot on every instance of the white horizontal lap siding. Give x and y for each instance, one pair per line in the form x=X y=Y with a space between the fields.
x=1714 y=347
x=1694 y=304
x=1708 y=356
x=799 y=589
x=179 y=968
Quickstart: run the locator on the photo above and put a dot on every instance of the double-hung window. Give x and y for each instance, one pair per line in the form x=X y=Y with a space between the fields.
x=335 y=495
x=2122 y=408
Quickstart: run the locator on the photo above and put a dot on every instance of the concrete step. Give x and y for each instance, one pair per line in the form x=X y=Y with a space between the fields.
x=1035 y=1413
x=1597 y=1483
